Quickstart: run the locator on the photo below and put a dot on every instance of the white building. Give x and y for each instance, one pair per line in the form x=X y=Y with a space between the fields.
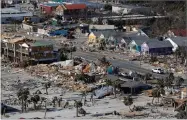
x=16 y=1
x=126 y=9
x=9 y=14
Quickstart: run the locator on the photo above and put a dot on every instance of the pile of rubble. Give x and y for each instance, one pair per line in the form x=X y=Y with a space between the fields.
x=41 y=69
x=63 y=73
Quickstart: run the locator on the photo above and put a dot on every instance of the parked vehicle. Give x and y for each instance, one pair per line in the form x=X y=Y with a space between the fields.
x=158 y=70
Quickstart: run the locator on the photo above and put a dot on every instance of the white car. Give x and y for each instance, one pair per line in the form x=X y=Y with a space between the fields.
x=158 y=70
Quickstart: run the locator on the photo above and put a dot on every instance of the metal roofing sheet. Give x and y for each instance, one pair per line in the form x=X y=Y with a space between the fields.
x=181 y=41
x=159 y=44
x=133 y=84
x=40 y=43
x=75 y=6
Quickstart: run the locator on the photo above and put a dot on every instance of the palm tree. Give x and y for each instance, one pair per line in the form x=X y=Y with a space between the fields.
x=77 y=105
x=59 y=101
x=108 y=82
x=182 y=53
x=178 y=81
x=116 y=85
x=177 y=54
x=171 y=76
x=169 y=80
x=160 y=83
x=158 y=92
x=146 y=77
x=47 y=85
x=42 y=100
x=54 y=101
x=23 y=96
x=20 y=97
x=66 y=104
x=91 y=97
x=154 y=94
x=45 y=108
x=128 y=101
x=84 y=94
x=35 y=100
x=102 y=44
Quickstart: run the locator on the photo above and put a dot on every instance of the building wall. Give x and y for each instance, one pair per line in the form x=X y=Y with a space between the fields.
x=27 y=27
x=41 y=48
x=138 y=48
x=92 y=38
x=116 y=9
x=27 y=7
x=141 y=10
x=42 y=31
x=47 y=9
x=132 y=46
x=161 y=51
x=40 y=53
x=144 y=48
x=8 y=20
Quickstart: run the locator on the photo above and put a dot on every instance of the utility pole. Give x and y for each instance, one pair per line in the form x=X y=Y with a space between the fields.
x=140 y=57
x=71 y=52
x=45 y=108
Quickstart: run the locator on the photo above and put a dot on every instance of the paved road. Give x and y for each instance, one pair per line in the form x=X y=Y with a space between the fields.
x=121 y=63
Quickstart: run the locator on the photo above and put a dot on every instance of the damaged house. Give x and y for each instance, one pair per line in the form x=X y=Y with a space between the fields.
x=22 y=49
x=156 y=47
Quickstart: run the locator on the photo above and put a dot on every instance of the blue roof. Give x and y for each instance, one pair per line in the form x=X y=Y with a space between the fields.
x=59 y=32
x=89 y=4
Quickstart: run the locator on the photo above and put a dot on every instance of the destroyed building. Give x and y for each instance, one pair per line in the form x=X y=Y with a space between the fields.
x=20 y=49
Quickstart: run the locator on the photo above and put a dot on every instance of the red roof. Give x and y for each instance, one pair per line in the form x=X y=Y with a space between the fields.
x=75 y=6
x=180 y=32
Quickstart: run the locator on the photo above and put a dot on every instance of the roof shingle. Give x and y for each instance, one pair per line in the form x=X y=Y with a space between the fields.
x=158 y=44
x=180 y=41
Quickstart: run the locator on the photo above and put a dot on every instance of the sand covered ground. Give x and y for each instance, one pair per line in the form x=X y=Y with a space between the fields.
x=10 y=86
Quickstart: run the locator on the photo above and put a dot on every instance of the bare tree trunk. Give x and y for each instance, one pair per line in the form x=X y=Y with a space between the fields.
x=114 y=92
x=81 y=98
x=59 y=103
x=84 y=101
x=22 y=105
x=153 y=100
x=45 y=109
x=77 y=111
x=25 y=105
x=46 y=91
x=130 y=108
x=34 y=105
x=54 y=103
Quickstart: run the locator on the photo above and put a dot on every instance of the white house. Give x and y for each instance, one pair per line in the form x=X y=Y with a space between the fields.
x=120 y=9
x=126 y=9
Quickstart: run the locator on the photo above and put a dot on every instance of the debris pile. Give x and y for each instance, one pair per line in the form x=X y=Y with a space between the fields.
x=64 y=73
